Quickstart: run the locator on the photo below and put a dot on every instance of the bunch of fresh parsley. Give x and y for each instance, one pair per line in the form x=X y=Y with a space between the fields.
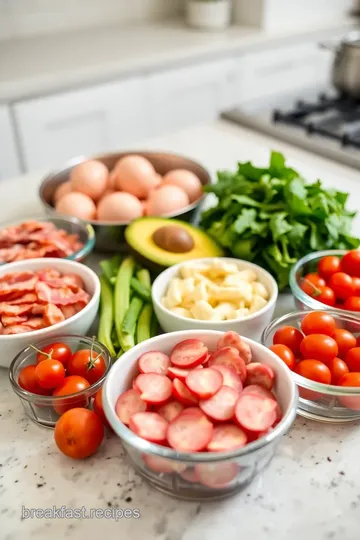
x=273 y=217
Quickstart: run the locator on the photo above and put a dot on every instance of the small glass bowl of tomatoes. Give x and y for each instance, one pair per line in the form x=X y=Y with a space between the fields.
x=322 y=349
x=327 y=280
x=55 y=375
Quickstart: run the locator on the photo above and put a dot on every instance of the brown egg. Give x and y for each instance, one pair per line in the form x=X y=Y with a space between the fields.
x=90 y=178
x=78 y=205
x=186 y=180
x=135 y=175
x=119 y=206
x=61 y=190
x=165 y=200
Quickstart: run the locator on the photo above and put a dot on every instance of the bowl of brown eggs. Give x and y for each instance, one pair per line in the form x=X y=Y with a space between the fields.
x=111 y=190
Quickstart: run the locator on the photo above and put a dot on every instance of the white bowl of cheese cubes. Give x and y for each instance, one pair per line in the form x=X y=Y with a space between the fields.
x=216 y=293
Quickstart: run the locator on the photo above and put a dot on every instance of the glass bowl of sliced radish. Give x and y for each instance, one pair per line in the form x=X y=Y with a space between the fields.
x=201 y=412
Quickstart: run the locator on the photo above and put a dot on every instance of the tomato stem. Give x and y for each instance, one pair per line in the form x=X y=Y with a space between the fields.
x=316 y=291
x=91 y=363
x=48 y=355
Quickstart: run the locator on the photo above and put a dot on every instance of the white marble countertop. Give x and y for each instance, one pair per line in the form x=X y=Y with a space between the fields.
x=42 y=65
x=310 y=490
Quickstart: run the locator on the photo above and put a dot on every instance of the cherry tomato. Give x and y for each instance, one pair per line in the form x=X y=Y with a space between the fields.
x=285 y=353
x=79 y=433
x=356 y=282
x=345 y=341
x=350 y=380
x=50 y=373
x=88 y=364
x=27 y=380
x=326 y=296
x=99 y=409
x=338 y=368
x=318 y=322
x=352 y=303
x=314 y=370
x=319 y=347
x=350 y=263
x=71 y=385
x=55 y=351
x=352 y=359
x=312 y=283
x=342 y=285
x=358 y=341
x=328 y=266
x=289 y=336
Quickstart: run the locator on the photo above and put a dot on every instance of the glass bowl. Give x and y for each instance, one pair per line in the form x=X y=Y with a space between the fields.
x=201 y=475
x=42 y=409
x=71 y=225
x=304 y=266
x=321 y=402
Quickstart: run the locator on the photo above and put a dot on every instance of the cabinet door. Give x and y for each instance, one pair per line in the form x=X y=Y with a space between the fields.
x=9 y=158
x=84 y=122
x=187 y=95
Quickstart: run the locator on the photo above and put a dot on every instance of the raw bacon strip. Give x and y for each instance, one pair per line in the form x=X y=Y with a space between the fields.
x=8 y=320
x=16 y=277
x=70 y=311
x=52 y=315
x=35 y=323
x=26 y=298
x=60 y=297
x=24 y=286
x=14 y=311
x=16 y=329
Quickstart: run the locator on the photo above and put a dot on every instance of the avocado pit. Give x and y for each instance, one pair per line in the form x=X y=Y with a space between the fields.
x=173 y=239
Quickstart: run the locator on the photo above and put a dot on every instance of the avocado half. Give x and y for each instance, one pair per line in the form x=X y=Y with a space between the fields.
x=183 y=241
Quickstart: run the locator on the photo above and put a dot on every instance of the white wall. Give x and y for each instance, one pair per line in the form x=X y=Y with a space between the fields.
x=19 y=18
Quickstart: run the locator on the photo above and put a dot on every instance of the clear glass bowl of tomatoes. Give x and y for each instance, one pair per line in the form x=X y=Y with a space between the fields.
x=327 y=280
x=52 y=376
x=322 y=348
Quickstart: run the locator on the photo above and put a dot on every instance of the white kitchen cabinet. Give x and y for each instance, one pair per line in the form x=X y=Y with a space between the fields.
x=9 y=157
x=83 y=122
x=187 y=95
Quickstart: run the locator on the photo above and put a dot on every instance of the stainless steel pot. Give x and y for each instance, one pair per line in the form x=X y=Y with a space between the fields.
x=346 y=67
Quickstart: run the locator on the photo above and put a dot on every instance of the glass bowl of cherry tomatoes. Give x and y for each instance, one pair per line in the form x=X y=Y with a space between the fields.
x=327 y=280
x=51 y=377
x=322 y=349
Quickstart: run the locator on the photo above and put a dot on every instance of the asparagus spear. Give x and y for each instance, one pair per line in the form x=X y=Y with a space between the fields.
x=106 y=315
x=110 y=267
x=144 y=322
x=122 y=300
x=140 y=289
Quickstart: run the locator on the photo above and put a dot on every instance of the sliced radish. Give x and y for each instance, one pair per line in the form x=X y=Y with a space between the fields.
x=154 y=388
x=260 y=374
x=255 y=412
x=221 y=406
x=260 y=390
x=228 y=356
x=158 y=464
x=178 y=373
x=190 y=475
x=188 y=353
x=154 y=362
x=129 y=403
x=227 y=437
x=230 y=377
x=204 y=383
x=232 y=339
x=150 y=426
x=170 y=410
x=190 y=432
x=182 y=393
x=217 y=475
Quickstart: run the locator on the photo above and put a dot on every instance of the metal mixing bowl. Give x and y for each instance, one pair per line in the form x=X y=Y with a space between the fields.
x=110 y=235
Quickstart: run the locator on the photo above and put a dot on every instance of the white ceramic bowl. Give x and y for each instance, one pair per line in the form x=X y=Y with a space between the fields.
x=169 y=470
x=78 y=324
x=250 y=326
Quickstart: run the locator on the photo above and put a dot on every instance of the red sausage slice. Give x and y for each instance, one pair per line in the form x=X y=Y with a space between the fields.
x=150 y=426
x=170 y=410
x=157 y=464
x=228 y=356
x=230 y=377
x=178 y=373
x=204 y=383
x=221 y=406
x=255 y=412
x=226 y=438
x=188 y=353
x=154 y=388
x=232 y=339
x=129 y=403
x=182 y=393
x=260 y=374
x=190 y=475
x=216 y=475
x=260 y=390
x=189 y=432
x=154 y=362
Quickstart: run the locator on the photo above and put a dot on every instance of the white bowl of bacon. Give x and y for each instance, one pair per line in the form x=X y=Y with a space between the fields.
x=200 y=412
x=43 y=298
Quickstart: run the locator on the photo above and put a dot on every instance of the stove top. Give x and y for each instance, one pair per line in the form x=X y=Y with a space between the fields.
x=326 y=124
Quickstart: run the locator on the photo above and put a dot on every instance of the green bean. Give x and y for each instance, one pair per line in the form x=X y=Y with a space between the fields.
x=106 y=315
x=122 y=298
